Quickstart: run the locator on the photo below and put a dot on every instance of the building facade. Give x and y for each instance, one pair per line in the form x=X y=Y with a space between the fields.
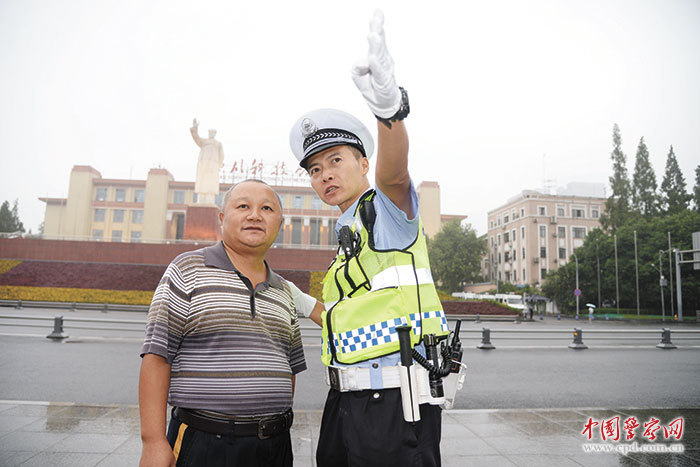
x=534 y=233
x=154 y=210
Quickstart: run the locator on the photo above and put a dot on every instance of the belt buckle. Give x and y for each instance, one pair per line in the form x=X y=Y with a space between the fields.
x=334 y=377
x=261 y=428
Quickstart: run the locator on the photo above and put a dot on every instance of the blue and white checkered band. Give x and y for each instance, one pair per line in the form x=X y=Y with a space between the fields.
x=416 y=323
x=329 y=137
x=382 y=332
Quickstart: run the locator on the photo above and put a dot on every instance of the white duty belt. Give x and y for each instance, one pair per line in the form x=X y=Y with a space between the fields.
x=346 y=379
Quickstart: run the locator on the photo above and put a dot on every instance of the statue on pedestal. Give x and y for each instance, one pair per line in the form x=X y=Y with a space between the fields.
x=211 y=159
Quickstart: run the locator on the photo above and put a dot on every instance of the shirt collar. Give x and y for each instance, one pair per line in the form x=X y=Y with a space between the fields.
x=348 y=217
x=215 y=256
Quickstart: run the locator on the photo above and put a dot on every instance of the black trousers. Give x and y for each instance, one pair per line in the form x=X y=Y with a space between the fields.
x=366 y=428
x=198 y=448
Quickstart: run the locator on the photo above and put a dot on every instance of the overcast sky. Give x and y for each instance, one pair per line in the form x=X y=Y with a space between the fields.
x=504 y=94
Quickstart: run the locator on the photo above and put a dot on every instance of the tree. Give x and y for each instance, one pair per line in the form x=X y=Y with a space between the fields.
x=599 y=246
x=674 y=197
x=644 y=198
x=617 y=206
x=9 y=218
x=455 y=255
x=697 y=188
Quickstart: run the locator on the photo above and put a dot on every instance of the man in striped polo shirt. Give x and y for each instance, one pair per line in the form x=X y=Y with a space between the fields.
x=223 y=347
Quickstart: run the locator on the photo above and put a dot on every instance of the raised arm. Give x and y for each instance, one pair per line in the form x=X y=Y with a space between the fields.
x=374 y=77
x=195 y=132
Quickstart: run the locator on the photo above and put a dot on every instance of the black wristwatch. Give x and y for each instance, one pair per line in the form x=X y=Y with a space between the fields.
x=401 y=113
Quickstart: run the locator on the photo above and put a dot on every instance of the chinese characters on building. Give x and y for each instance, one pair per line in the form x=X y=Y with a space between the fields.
x=274 y=173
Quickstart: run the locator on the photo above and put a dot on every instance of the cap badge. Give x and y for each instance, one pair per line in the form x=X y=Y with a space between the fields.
x=308 y=127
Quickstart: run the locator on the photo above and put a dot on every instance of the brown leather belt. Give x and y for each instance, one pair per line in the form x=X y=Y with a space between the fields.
x=264 y=428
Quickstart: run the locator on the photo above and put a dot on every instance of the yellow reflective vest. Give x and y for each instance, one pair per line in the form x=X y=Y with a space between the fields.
x=368 y=295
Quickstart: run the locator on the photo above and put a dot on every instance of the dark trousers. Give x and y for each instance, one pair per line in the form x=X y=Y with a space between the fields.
x=366 y=428
x=198 y=448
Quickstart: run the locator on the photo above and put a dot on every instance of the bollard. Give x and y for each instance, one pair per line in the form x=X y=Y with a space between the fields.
x=558 y=316
x=485 y=340
x=478 y=318
x=665 y=340
x=57 y=332
x=18 y=306
x=578 y=344
x=104 y=308
x=72 y=306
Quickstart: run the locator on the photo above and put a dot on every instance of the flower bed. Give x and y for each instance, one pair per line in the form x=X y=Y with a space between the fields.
x=64 y=294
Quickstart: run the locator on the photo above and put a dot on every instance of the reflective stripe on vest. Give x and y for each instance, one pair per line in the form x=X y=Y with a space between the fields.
x=401 y=275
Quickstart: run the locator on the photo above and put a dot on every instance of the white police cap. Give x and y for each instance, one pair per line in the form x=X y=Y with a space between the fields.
x=324 y=128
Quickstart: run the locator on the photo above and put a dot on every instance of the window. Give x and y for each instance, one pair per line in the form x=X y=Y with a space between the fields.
x=491 y=225
x=505 y=219
x=135 y=237
x=522 y=212
x=578 y=212
x=316 y=203
x=543 y=231
x=515 y=276
x=332 y=236
x=562 y=253
x=523 y=276
x=561 y=232
x=541 y=211
x=116 y=235
x=498 y=221
x=507 y=276
x=523 y=256
x=315 y=232
x=512 y=234
x=118 y=215
x=179 y=197
x=100 y=215
x=195 y=198
x=579 y=232
x=498 y=237
x=137 y=216
x=120 y=195
x=97 y=234
x=543 y=252
x=499 y=258
x=298 y=202
x=101 y=194
x=493 y=242
x=595 y=212
x=280 y=236
x=506 y=256
x=522 y=233
x=296 y=231
x=140 y=196
x=561 y=212
x=506 y=237
x=543 y=272
x=218 y=199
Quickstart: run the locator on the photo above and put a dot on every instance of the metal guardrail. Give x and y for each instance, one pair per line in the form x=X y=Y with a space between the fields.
x=20 y=304
x=60 y=323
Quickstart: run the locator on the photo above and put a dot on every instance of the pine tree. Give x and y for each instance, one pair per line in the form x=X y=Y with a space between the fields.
x=9 y=218
x=644 y=198
x=617 y=206
x=674 y=197
x=697 y=188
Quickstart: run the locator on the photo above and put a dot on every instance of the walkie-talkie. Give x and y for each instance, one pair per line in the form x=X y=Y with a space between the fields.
x=346 y=240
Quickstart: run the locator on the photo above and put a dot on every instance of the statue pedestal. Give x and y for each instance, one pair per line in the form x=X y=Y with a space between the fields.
x=202 y=223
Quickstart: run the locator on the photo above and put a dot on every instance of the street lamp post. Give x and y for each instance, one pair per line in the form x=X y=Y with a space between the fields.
x=577 y=289
x=661 y=287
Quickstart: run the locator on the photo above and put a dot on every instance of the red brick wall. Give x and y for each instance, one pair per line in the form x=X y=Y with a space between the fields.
x=144 y=253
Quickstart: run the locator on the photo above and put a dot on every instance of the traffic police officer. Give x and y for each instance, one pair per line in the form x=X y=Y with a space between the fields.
x=380 y=278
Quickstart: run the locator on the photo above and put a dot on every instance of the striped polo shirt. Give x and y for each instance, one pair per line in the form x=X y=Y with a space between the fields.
x=232 y=349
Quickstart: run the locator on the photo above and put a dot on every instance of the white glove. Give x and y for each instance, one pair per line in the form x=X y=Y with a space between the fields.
x=302 y=302
x=374 y=75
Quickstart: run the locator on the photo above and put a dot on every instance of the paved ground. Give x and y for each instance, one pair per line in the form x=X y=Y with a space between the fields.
x=57 y=435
